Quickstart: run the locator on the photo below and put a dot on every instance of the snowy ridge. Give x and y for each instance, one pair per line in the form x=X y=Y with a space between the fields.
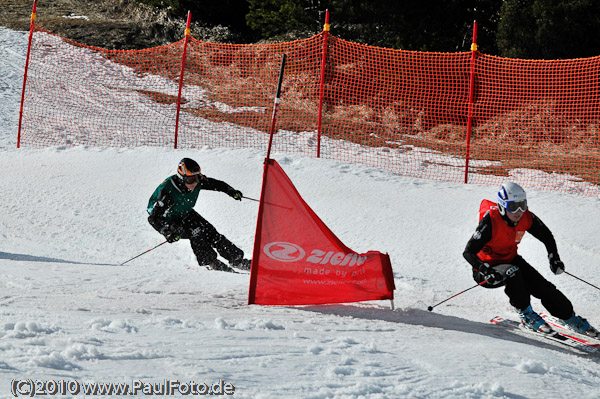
x=70 y=216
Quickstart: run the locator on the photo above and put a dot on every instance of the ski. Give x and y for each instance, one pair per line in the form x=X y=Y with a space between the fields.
x=561 y=327
x=559 y=337
x=225 y=269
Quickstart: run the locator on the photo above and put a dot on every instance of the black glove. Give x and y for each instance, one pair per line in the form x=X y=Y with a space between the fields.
x=492 y=276
x=556 y=264
x=235 y=194
x=171 y=232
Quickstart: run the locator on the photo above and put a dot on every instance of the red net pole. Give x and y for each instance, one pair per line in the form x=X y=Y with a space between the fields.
x=185 y=44
x=25 y=73
x=471 y=89
x=322 y=83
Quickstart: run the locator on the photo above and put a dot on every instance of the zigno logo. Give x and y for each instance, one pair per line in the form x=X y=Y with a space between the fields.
x=282 y=251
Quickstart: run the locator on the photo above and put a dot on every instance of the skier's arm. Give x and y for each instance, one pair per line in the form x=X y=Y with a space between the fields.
x=482 y=235
x=160 y=208
x=539 y=230
x=208 y=183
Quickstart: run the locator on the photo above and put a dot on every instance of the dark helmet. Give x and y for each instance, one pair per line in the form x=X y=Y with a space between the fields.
x=188 y=170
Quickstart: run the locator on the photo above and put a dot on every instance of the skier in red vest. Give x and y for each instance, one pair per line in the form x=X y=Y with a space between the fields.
x=492 y=252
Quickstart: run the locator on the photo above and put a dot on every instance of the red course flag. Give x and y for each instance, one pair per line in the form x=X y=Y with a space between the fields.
x=297 y=260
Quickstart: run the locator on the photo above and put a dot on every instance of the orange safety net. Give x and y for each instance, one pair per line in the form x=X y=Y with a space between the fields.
x=534 y=122
x=539 y=121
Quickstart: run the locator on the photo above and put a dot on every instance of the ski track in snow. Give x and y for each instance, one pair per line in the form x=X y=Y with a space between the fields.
x=70 y=216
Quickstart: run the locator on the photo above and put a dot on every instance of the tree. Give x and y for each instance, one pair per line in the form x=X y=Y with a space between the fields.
x=228 y=13
x=273 y=18
x=425 y=25
x=545 y=29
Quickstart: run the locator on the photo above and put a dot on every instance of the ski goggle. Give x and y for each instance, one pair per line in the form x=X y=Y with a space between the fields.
x=514 y=206
x=191 y=179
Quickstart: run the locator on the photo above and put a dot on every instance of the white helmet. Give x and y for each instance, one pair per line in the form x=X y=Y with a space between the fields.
x=512 y=198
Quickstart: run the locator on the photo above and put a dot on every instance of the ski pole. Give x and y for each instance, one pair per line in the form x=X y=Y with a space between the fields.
x=145 y=252
x=580 y=279
x=430 y=308
x=268 y=203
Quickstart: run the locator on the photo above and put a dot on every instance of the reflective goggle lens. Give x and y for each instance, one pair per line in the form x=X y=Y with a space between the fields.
x=514 y=206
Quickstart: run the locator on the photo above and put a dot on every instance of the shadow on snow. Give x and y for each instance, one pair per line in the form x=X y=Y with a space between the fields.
x=32 y=258
x=418 y=317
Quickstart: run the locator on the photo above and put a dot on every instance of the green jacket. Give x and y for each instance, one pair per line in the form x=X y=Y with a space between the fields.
x=172 y=201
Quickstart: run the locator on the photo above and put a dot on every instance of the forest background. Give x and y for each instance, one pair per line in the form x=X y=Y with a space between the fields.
x=538 y=29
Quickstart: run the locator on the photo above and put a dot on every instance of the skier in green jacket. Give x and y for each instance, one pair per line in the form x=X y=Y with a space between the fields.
x=172 y=214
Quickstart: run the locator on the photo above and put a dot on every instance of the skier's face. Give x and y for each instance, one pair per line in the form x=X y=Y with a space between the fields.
x=191 y=186
x=191 y=181
x=516 y=216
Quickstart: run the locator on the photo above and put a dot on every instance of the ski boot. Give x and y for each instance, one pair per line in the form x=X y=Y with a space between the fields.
x=580 y=325
x=242 y=264
x=534 y=321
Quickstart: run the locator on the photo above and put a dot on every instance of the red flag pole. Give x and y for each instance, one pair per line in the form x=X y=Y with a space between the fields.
x=31 y=27
x=276 y=105
x=256 y=250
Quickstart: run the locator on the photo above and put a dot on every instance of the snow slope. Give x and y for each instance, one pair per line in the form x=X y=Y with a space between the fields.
x=70 y=215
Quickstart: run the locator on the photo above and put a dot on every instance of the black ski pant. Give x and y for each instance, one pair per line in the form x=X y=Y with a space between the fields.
x=206 y=241
x=528 y=282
